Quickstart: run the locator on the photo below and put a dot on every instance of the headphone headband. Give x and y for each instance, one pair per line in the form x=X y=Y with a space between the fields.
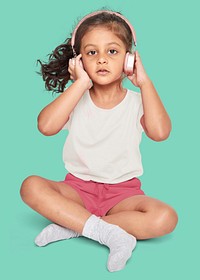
x=96 y=13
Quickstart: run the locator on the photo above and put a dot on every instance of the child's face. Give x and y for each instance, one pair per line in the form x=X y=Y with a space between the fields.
x=103 y=55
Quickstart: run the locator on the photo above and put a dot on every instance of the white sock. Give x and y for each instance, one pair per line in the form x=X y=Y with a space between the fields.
x=53 y=233
x=120 y=243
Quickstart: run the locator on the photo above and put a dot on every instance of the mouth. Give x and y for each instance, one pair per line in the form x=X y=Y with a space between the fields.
x=102 y=72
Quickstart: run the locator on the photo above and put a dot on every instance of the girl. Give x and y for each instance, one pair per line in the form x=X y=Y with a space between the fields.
x=101 y=197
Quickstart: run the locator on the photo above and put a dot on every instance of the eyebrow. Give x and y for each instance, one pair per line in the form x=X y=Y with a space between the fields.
x=93 y=45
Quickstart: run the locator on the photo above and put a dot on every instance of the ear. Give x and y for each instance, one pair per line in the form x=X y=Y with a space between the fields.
x=129 y=63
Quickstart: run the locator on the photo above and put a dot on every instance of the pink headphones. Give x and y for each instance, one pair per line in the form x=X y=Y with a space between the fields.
x=129 y=58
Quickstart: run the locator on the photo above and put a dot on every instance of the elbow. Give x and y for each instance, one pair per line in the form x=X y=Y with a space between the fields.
x=44 y=131
x=45 y=128
x=159 y=131
x=161 y=135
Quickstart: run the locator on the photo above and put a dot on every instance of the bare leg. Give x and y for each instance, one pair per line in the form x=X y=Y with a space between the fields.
x=60 y=203
x=56 y=201
x=143 y=216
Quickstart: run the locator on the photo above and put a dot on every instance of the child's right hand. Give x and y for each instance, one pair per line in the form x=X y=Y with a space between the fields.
x=77 y=71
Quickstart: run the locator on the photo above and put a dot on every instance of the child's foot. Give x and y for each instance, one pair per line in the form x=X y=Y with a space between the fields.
x=53 y=233
x=120 y=243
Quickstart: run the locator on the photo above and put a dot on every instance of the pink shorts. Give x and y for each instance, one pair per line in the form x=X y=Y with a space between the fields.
x=99 y=198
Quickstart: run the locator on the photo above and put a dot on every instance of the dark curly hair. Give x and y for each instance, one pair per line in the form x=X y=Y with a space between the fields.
x=55 y=71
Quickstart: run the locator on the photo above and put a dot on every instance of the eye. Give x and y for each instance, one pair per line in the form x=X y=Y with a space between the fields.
x=91 y=53
x=112 y=51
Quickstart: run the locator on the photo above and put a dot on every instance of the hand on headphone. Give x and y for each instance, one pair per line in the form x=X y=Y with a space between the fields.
x=139 y=76
x=77 y=71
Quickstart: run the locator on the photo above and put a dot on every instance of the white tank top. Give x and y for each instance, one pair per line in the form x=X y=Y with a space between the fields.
x=103 y=144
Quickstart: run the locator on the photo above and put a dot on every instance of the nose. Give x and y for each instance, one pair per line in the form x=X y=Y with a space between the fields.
x=102 y=59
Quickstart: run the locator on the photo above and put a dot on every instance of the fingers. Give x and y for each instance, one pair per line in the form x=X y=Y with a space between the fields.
x=71 y=68
x=137 y=55
x=73 y=63
x=78 y=61
x=138 y=58
x=75 y=60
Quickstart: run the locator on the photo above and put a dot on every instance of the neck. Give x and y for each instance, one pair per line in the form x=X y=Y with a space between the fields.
x=107 y=92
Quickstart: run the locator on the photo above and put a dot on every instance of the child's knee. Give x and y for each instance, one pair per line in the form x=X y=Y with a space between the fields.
x=27 y=186
x=173 y=218
x=167 y=221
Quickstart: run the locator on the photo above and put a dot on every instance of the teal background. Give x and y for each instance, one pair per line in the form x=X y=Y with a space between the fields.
x=169 y=44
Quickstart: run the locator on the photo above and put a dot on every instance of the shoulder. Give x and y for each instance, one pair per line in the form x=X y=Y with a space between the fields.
x=84 y=98
x=134 y=96
x=82 y=103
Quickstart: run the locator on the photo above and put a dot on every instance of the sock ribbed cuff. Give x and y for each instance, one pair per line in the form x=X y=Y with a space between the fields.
x=91 y=227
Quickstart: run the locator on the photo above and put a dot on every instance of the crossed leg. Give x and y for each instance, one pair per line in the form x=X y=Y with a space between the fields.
x=61 y=204
x=55 y=201
x=142 y=216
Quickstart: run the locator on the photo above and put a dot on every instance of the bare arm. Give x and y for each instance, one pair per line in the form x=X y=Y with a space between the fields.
x=155 y=121
x=55 y=115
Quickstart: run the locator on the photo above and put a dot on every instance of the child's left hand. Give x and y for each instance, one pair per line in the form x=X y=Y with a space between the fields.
x=139 y=76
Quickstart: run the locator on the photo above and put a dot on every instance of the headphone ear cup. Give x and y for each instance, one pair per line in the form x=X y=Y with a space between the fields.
x=129 y=64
